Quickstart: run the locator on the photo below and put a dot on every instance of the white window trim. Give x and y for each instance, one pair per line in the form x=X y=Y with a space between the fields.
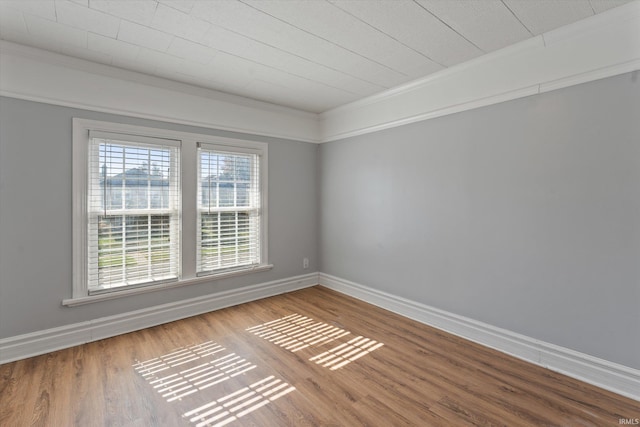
x=188 y=180
x=219 y=148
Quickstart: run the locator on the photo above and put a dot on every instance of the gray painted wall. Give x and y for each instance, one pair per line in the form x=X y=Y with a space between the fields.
x=524 y=215
x=35 y=218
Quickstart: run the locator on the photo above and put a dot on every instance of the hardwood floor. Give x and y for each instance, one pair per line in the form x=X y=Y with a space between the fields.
x=308 y=358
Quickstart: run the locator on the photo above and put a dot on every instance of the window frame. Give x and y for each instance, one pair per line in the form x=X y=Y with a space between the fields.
x=173 y=209
x=188 y=182
x=243 y=149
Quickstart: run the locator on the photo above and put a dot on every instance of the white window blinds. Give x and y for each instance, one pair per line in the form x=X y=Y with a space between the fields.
x=133 y=205
x=229 y=208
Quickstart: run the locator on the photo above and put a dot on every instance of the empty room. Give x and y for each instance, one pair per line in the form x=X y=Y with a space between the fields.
x=319 y=213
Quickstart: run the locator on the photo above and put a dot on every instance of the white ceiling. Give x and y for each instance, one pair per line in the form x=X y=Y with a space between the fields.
x=312 y=55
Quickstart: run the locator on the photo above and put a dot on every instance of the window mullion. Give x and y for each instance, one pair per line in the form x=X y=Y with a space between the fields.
x=219 y=217
x=123 y=246
x=185 y=214
x=237 y=241
x=149 y=248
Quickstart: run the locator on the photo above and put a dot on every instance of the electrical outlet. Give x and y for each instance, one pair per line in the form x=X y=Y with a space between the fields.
x=305 y=263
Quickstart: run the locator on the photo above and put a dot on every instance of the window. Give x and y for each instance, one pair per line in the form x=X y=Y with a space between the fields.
x=155 y=208
x=228 y=208
x=134 y=211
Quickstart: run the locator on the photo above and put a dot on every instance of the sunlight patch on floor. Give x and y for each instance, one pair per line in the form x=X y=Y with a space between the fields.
x=296 y=332
x=346 y=353
x=239 y=403
x=201 y=367
x=185 y=371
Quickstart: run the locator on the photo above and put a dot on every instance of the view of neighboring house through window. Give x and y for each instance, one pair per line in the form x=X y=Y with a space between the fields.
x=133 y=213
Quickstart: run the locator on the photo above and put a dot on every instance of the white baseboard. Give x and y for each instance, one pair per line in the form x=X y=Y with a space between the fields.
x=608 y=375
x=36 y=343
x=602 y=373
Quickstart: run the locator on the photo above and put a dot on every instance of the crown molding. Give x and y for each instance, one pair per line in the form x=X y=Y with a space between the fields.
x=604 y=45
x=37 y=75
x=601 y=46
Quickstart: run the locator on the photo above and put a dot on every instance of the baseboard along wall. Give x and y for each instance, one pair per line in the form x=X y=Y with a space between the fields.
x=599 y=372
x=602 y=373
x=48 y=340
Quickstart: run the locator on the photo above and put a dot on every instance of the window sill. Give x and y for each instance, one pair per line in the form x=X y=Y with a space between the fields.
x=72 y=302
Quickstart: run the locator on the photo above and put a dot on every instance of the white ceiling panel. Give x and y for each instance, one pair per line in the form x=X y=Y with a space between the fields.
x=189 y=50
x=334 y=25
x=540 y=16
x=600 y=6
x=166 y=62
x=413 y=26
x=117 y=49
x=85 y=53
x=42 y=8
x=184 y=6
x=43 y=29
x=259 y=26
x=236 y=44
x=144 y=36
x=312 y=55
x=140 y=11
x=63 y=45
x=181 y=24
x=175 y=68
x=489 y=24
x=83 y=18
x=236 y=71
x=262 y=72
x=12 y=24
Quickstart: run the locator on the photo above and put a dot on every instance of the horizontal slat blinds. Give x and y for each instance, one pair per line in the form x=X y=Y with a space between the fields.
x=133 y=204
x=228 y=209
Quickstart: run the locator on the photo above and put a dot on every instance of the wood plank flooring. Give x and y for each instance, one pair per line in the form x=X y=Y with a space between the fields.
x=308 y=358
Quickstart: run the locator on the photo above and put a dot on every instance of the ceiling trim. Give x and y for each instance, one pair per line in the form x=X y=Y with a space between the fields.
x=37 y=75
x=601 y=46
